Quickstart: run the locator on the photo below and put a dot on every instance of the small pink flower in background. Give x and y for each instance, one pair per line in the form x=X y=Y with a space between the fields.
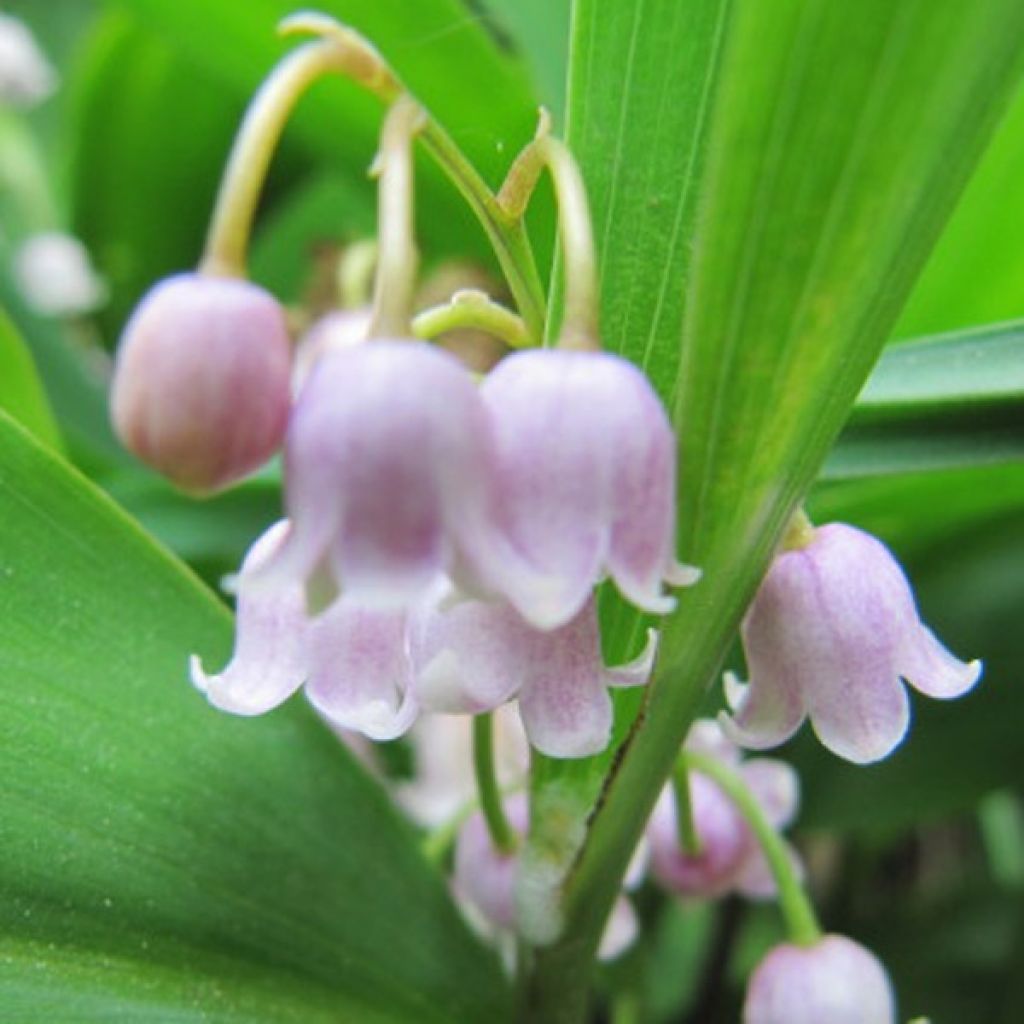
x=485 y=879
x=353 y=660
x=832 y=630
x=729 y=858
x=201 y=383
x=587 y=476
x=26 y=76
x=56 y=276
x=835 y=981
x=443 y=781
x=473 y=656
x=389 y=479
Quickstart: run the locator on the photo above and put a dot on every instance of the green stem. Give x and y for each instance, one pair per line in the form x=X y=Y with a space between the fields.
x=507 y=235
x=580 y=313
x=257 y=138
x=491 y=805
x=438 y=842
x=689 y=841
x=473 y=309
x=397 y=259
x=801 y=922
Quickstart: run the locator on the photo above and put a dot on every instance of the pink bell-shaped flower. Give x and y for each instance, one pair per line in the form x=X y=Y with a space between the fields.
x=486 y=878
x=353 y=660
x=336 y=331
x=389 y=487
x=587 y=475
x=729 y=858
x=473 y=656
x=835 y=980
x=201 y=383
x=828 y=636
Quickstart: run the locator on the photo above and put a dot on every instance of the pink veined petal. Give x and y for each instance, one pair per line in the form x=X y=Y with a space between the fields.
x=269 y=662
x=776 y=786
x=469 y=655
x=361 y=673
x=564 y=699
x=764 y=715
x=621 y=930
x=638 y=671
x=862 y=717
x=929 y=667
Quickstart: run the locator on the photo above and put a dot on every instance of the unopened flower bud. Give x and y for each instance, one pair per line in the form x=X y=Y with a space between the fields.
x=835 y=980
x=201 y=385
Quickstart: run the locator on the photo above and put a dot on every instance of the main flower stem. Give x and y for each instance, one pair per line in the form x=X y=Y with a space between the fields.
x=258 y=136
x=506 y=233
x=397 y=258
x=491 y=806
x=580 y=311
x=801 y=921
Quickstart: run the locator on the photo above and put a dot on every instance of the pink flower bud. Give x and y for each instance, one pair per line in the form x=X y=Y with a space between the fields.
x=201 y=384
x=835 y=980
x=831 y=631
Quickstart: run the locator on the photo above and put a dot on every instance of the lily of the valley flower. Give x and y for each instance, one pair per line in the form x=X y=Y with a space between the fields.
x=830 y=633
x=729 y=858
x=26 y=76
x=475 y=655
x=201 y=384
x=353 y=660
x=835 y=980
x=389 y=479
x=336 y=331
x=587 y=474
x=56 y=276
x=485 y=878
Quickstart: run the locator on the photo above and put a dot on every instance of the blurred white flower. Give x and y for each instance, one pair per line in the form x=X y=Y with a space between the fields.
x=26 y=76
x=55 y=274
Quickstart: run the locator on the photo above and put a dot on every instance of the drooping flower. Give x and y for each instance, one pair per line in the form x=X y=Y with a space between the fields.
x=353 y=661
x=833 y=628
x=836 y=980
x=729 y=858
x=473 y=656
x=389 y=479
x=26 y=76
x=587 y=475
x=201 y=384
x=486 y=878
x=56 y=276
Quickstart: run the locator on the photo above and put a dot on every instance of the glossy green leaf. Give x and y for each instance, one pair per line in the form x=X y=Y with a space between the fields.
x=161 y=860
x=21 y=392
x=838 y=140
x=937 y=403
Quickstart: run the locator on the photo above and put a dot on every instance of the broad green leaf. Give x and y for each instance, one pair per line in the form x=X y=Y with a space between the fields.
x=161 y=860
x=838 y=139
x=936 y=403
x=21 y=393
x=976 y=273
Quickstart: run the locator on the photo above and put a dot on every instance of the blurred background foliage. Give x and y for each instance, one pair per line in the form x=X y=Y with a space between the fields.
x=921 y=857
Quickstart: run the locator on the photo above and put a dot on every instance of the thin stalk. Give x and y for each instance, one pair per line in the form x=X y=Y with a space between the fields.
x=257 y=138
x=473 y=309
x=507 y=234
x=801 y=921
x=397 y=258
x=491 y=806
x=580 y=312
x=689 y=840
